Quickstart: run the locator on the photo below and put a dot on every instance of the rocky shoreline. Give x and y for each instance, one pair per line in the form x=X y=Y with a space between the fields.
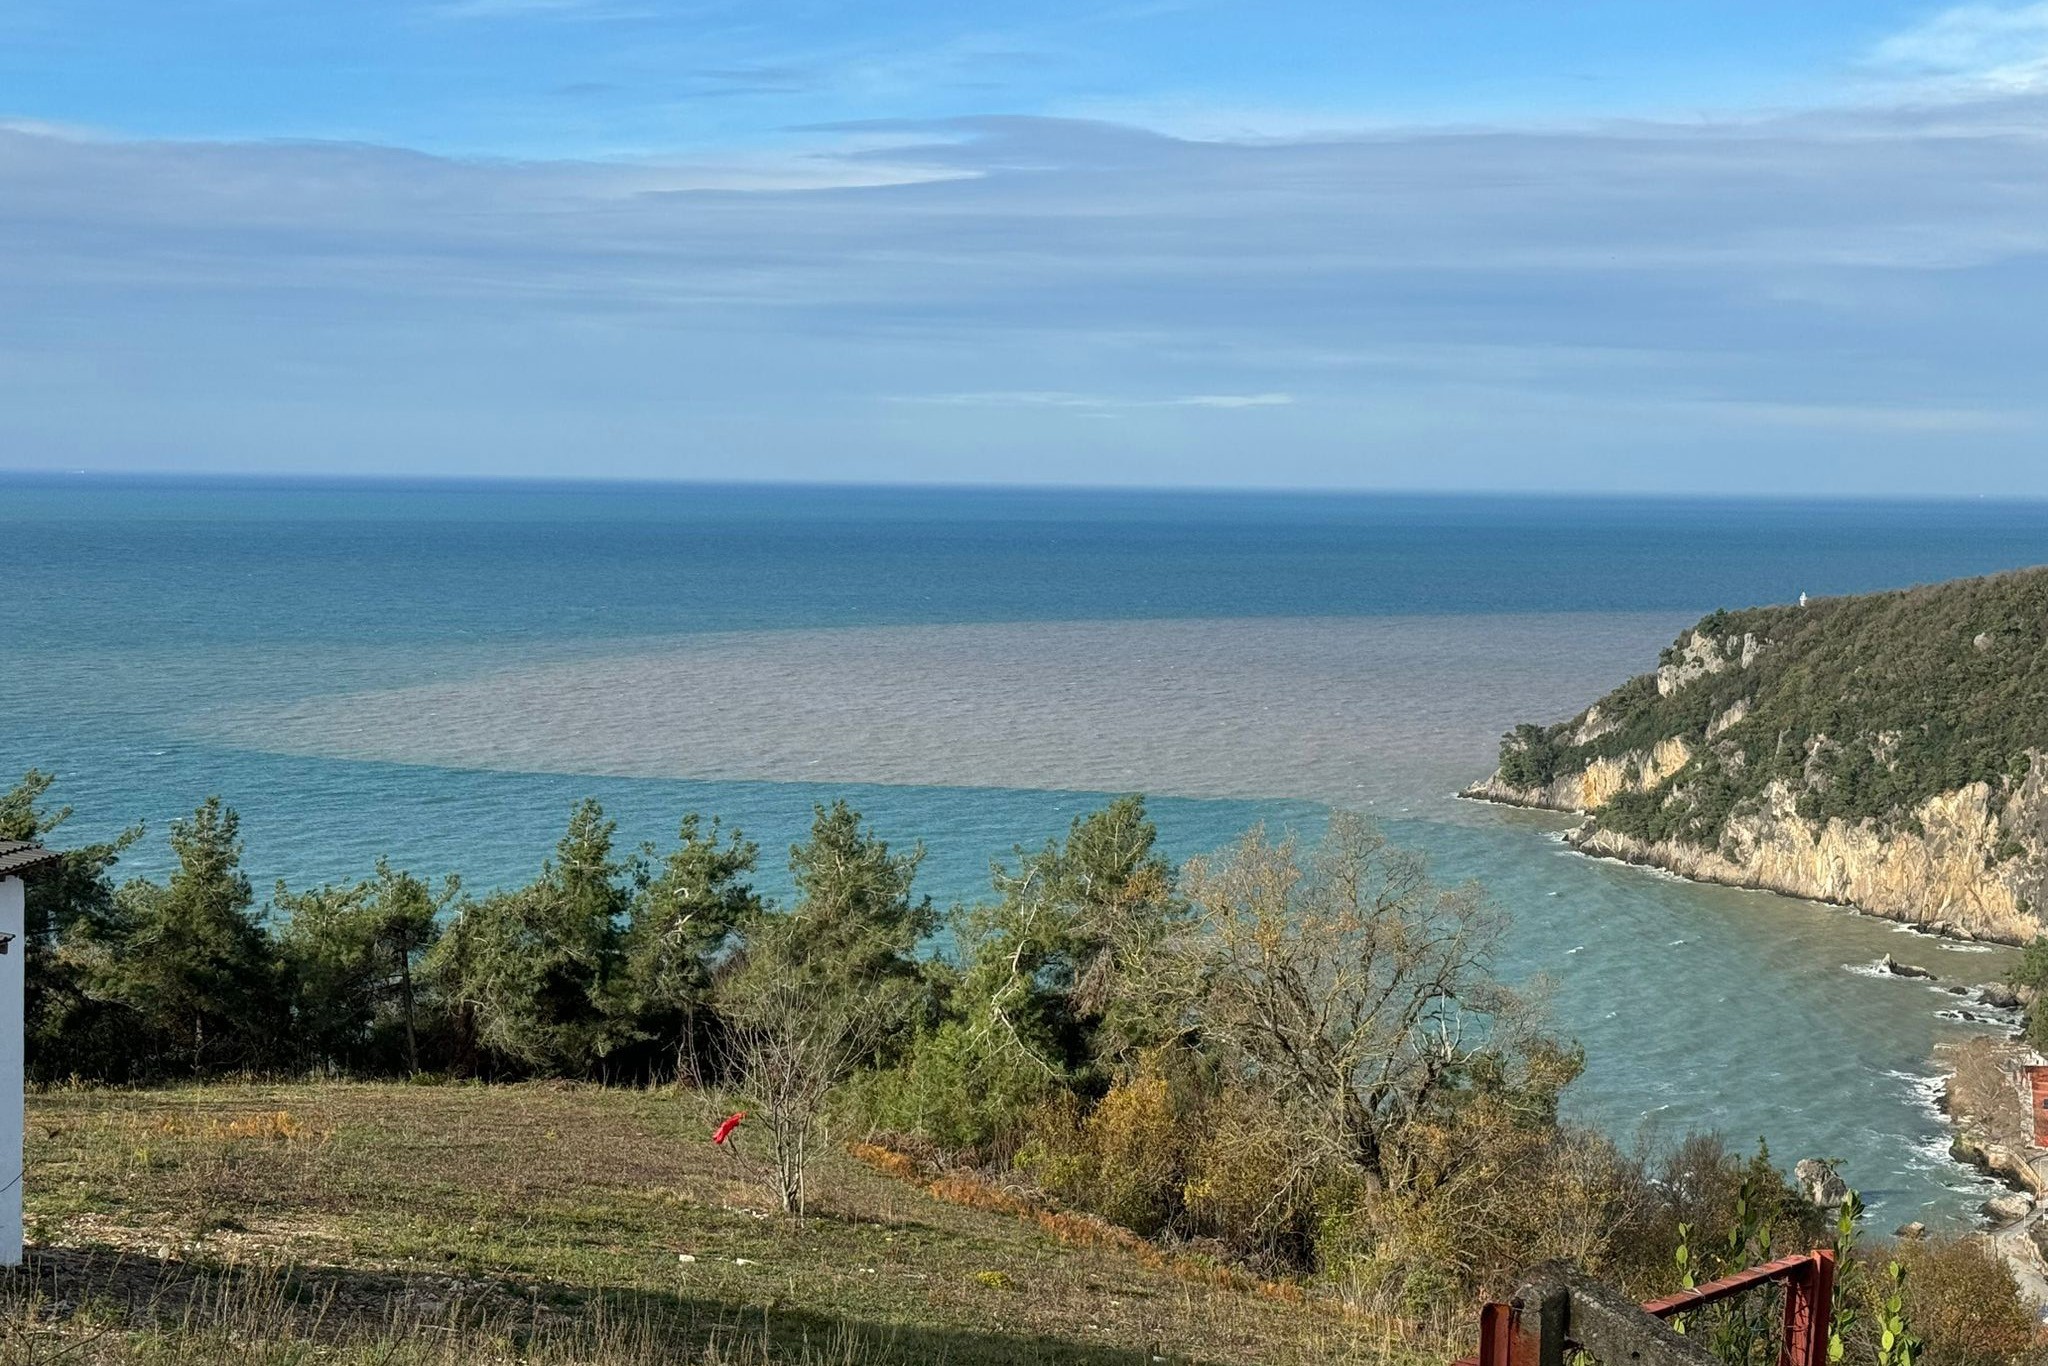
x=1990 y=1121
x=1982 y=1100
x=1993 y=925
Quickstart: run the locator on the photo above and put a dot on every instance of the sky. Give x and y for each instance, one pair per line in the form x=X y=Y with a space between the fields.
x=1731 y=247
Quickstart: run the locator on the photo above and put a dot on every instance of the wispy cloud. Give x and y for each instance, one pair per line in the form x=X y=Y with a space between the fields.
x=1029 y=398
x=1743 y=301
x=1974 y=48
x=1875 y=418
x=752 y=80
x=1235 y=401
x=539 y=9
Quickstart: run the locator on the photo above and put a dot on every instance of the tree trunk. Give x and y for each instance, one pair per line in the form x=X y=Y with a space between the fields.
x=412 y=1043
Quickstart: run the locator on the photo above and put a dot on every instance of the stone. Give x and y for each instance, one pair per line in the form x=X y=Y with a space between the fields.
x=1999 y=995
x=1898 y=969
x=1916 y=1229
x=2009 y=1208
x=1822 y=1184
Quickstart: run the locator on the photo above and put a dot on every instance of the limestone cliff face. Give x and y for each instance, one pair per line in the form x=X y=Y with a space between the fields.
x=1949 y=875
x=1964 y=863
x=1595 y=785
x=1703 y=654
x=1733 y=773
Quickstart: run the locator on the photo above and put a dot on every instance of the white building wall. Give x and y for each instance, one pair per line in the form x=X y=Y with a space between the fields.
x=14 y=922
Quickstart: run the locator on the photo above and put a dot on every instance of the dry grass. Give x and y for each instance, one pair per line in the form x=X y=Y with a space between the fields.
x=566 y=1223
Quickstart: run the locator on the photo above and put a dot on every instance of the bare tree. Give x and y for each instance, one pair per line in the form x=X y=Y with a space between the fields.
x=827 y=988
x=1351 y=989
x=792 y=1046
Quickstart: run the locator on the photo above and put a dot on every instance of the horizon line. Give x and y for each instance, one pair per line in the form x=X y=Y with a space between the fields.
x=317 y=478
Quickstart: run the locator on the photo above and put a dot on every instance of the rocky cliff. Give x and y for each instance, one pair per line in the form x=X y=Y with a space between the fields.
x=1885 y=752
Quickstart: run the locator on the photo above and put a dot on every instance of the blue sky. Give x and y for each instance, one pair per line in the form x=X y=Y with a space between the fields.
x=1723 y=246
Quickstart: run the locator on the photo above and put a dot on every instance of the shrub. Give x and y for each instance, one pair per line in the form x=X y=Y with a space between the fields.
x=1125 y=1159
x=959 y=1087
x=1964 y=1304
x=1248 y=1186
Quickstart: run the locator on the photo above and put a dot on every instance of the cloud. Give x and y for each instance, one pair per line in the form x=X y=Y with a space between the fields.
x=1873 y=418
x=1854 y=283
x=1235 y=401
x=752 y=80
x=538 y=9
x=1974 y=48
x=1093 y=402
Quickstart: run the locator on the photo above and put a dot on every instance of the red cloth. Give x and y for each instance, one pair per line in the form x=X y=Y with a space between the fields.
x=725 y=1128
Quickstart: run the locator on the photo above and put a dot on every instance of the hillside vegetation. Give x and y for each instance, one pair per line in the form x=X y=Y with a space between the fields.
x=466 y=1223
x=1273 y=1104
x=1851 y=713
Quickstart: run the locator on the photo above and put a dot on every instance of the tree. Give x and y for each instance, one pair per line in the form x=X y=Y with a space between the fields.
x=355 y=954
x=536 y=973
x=191 y=958
x=66 y=1032
x=1359 y=996
x=857 y=926
x=1062 y=991
x=828 y=987
x=1070 y=954
x=680 y=922
x=1528 y=757
x=794 y=1043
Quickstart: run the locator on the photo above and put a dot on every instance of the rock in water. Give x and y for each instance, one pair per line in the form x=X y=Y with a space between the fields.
x=2000 y=995
x=1898 y=969
x=1916 y=1229
x=1822 y=1184
x=2009 y=1208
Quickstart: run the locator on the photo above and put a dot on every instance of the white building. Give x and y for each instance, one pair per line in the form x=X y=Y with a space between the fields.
x=18 y=859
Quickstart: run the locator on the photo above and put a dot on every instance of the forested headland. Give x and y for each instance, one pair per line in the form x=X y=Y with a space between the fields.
x=1887 y=751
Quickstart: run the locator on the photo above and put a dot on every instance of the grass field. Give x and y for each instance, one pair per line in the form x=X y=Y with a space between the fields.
x=393 y=1223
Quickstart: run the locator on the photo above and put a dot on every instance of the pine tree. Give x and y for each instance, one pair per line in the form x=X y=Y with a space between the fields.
x=538 y=972
x=855 y=927
x=354 y=954
x=680 y=922
x=191 y=958
x=66 y=1032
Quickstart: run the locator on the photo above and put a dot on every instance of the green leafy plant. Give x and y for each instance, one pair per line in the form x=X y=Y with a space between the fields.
x=1843 y=1314
x=1896 y=1344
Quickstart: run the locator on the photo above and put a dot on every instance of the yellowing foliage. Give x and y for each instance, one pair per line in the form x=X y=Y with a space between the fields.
x=268 y=1126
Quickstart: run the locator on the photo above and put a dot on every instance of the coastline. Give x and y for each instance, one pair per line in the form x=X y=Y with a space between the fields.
x=1985 y=1115
x=1625 y=850
x=1982 y=1100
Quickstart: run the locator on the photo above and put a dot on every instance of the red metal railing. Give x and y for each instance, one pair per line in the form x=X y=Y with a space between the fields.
x=1513 y=1334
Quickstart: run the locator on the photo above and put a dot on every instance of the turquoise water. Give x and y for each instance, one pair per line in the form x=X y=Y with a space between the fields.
x=436 y=671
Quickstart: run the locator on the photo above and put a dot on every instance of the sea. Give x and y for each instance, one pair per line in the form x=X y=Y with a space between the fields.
x=436 y=671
